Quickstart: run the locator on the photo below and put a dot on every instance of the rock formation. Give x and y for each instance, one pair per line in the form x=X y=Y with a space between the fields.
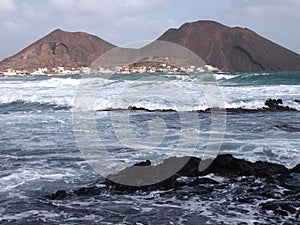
x=271 y=187
x=233 y=48
x=59 y=48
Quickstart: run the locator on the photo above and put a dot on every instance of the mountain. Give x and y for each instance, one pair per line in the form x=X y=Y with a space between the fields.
x=59 y=48
x=232 y=49
x=228 y=48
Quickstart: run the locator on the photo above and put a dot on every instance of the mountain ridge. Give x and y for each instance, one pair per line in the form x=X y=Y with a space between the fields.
x=232 y=48
x=227 y=48
x=59 y=48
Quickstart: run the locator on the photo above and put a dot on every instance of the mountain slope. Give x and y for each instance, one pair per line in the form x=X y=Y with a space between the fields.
x=232 y=49
x=59 y=48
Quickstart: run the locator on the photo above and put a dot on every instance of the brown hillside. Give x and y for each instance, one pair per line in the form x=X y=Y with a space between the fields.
x=232 y=49
x=59 y=48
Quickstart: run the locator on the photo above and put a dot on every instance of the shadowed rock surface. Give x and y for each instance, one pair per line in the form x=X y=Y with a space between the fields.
x=233 y=48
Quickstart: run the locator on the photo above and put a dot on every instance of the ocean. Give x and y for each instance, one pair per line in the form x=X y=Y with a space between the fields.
x=45 y=122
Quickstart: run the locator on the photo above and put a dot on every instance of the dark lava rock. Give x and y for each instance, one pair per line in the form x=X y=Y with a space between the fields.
x=269 y=206
x=290 y=182
x=246 y=185
x=227 y=165
x=289 y=127
x=146 y=163
x=276 y=105
x=296 y=169
x=281 y=209
x=266 y=169
x=288 y=208
x=271 y=105
x=134 y=108
x=88 y=191
x=223 y=165
x=61 y=194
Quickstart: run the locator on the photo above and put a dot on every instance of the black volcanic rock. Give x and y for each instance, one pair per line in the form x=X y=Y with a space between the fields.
x=232 y=49
x=271 y=188
x=296 y=169
x=223 y=165
x=59 y=48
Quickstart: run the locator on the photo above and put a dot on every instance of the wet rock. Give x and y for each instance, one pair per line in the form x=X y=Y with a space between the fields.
x=145 y=163
x=266 y=169
x=61 y=194
x=281 y=212
x=223 y=165
x=202 y=181
x=191 y=168
x=88 y=191
x=134 y=108
x=296 y=169
x=289 y=127
x=276 y=187
x=288 y=208
x=269 y=206
x=291 y=182
x=273 y=103
x=227 y=165
x=276 y=105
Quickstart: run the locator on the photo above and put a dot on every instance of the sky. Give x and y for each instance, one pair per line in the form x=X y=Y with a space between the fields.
x=125 y=21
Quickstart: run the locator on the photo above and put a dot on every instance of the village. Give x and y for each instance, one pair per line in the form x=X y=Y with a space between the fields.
x=126 y=69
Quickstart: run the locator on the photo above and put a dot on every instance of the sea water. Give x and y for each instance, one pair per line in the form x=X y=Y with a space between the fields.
x=39 y=153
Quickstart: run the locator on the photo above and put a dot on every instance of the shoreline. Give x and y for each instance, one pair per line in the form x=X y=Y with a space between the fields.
x=137 y=73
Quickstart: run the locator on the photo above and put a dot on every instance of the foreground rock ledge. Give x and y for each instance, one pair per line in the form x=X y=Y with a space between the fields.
x=273 y=187
x=225 y=166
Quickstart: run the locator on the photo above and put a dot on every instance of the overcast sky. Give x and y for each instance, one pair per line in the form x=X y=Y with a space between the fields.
x=123 y=21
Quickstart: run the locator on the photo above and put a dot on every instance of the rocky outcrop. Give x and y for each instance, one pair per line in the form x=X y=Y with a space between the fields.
x=223 y=165
x=59 y=48
x=272 y=187
x=271 y=105
x=233 y=48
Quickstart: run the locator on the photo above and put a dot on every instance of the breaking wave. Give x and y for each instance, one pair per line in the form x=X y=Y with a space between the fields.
x=282 y=78
x=23 y=106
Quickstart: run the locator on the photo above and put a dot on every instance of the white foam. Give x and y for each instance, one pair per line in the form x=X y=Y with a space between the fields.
x=219 y=76
x=45 y=215
x=62 y=92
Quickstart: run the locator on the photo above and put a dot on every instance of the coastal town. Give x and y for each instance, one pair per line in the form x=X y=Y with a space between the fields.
x=126 y=69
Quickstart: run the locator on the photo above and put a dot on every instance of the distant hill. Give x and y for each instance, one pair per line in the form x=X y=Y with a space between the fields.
x=232 y=49
x=59 y=48
x=229 y=49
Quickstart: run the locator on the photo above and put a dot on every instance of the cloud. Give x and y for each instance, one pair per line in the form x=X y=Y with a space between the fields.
x=108 y=7
x=262 y=9
x=123 y=21
x=7 y=6
x=117 y=21
x=276 y=20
